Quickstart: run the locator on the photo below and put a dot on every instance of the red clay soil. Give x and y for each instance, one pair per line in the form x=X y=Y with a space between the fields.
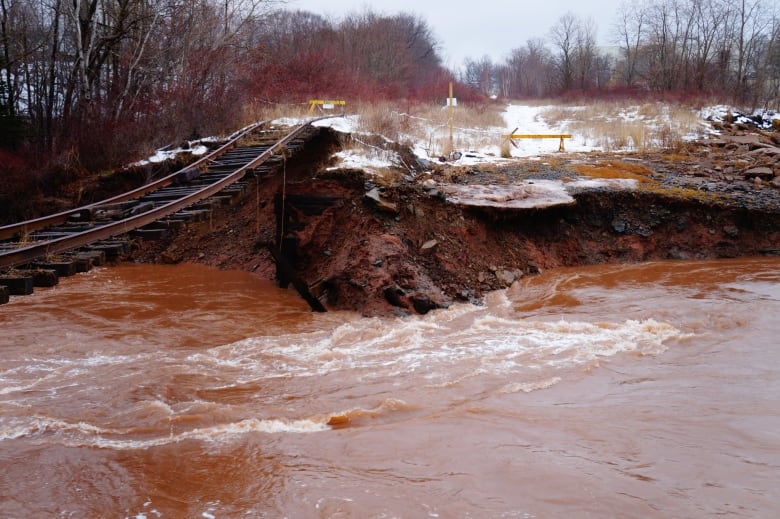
x=410 y=250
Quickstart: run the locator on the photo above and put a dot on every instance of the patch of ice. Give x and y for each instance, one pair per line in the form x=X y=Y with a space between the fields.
x=526 y=195
x=530 y=194
x=286 y=121
x=614 y=183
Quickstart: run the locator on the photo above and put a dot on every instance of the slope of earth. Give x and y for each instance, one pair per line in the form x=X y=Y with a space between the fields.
x=409 y=245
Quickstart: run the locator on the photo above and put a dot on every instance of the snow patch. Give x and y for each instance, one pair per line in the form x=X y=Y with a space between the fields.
x=163 y=154
x=763 y=119
x=368 y=160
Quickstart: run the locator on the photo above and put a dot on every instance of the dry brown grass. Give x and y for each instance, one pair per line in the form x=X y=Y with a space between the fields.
x=474 y=126
x=676 y=157
x=682 y=192
x=615 y=169
x=614 y=126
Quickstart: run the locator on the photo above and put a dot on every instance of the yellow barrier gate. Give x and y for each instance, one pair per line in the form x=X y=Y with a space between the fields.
x=511 y=137
x=325 y=104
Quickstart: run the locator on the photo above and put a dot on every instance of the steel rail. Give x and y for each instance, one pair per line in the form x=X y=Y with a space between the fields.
x=22 y=228
x=30 y=253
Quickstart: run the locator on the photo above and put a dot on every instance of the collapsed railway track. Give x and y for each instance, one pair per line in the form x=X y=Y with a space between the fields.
x=30 y=250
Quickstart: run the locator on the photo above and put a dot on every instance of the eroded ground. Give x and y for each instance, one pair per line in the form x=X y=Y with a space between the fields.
x=408 y=243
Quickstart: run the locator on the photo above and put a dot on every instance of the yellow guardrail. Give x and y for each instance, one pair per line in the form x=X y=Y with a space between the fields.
x=512 y=136
x=325 y=104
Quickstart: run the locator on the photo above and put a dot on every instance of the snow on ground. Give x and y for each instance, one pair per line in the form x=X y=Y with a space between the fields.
x=371 y=162
x=762 y=118
x=164 y=154
x=529 y=194
x=528 y=120
x=344 y=124
x=518 y=118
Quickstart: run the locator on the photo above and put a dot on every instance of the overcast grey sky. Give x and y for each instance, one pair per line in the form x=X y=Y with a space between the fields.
x=474 y=29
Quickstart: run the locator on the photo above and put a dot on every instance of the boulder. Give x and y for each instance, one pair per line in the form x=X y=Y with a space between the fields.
x=508 y=277
x=394 y=294
x=424 y=304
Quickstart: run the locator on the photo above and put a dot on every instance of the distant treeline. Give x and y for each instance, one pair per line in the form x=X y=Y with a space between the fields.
x=724 y=48
x=93 y=83
x=103 y=79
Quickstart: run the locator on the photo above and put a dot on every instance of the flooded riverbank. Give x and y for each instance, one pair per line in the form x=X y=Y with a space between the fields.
x=150 y=391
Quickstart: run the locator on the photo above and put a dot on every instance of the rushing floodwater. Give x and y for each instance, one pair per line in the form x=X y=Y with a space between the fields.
x=620 y=391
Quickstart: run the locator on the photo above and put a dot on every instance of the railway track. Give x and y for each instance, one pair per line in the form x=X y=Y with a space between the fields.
x=91 y=231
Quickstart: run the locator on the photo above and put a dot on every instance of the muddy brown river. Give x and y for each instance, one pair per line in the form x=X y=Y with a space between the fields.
x=148 y=392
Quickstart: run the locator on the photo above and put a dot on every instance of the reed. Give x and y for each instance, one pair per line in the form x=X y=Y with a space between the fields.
x=473 y=126
x=617 y=127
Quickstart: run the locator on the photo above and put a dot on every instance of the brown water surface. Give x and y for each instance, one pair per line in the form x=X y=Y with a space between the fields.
x=618 y=391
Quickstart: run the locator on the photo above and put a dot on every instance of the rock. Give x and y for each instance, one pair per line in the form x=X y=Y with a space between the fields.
x=677 y=254
x=424 y=304
x=753 y=141
x=170 y=258
x=393 y=295
x=429 y=183
x=775 y=182
x=771 y=152
x=423 y=164
x=533 y=268
x=619 y=226
x=762 y=172
x=380 y=203
x=506 y=277
x=731 y=231
x=429 y=246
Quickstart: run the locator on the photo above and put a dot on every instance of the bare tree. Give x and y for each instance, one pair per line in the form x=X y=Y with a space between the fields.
x=630 y=30
x=748 y=22
x=529 y=71
x=564 y=35
x=480 y=75
x=585 y=54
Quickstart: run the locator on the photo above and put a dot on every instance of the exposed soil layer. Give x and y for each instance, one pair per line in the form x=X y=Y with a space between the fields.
x=402 y=247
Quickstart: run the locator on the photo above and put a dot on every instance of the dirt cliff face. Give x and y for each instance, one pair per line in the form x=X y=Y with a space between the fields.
x=403 y=247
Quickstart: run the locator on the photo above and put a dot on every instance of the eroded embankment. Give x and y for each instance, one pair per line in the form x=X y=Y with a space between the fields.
x=404 y=248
